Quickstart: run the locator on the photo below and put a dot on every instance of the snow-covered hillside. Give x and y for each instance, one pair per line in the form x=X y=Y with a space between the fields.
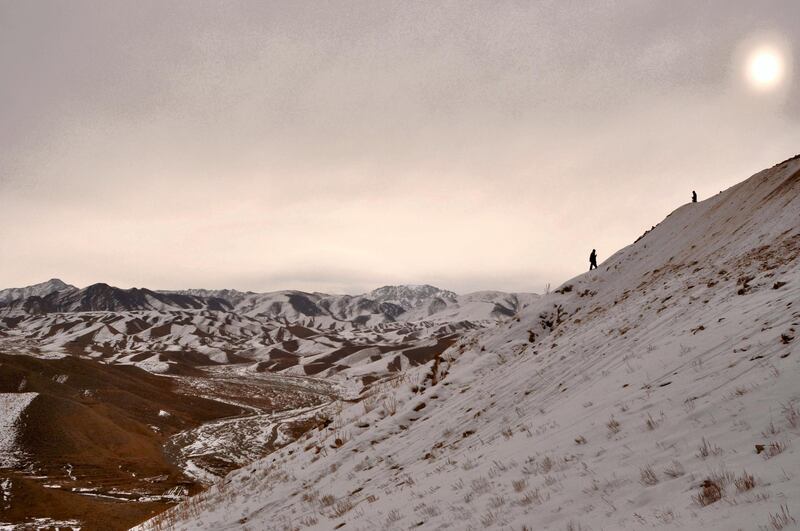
x=37 y=290
x=286 y=331
x=659 y=391
x=11 y=407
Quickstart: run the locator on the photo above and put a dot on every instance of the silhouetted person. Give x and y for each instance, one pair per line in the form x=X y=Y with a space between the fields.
x=593 y=260
x=694 y=196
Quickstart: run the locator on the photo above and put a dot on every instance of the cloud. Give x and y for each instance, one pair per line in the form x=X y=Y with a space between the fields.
x=262 y=145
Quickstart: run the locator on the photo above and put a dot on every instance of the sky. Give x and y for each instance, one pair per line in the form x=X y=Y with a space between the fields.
x=341 y=146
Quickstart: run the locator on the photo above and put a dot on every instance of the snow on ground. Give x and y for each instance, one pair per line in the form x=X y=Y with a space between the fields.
x=659 y=391
x=43 y=523
x=11 y=407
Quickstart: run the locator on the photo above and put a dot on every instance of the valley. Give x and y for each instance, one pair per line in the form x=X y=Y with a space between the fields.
x=133 y=408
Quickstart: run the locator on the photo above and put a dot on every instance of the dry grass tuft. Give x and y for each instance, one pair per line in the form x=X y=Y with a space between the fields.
x=342 y=507
x=744 y=482
x=574 y=526
x=791 y=414
x=707 y=449
x=774 y=448
x=781 y=519
x=533 y=497
x=648 y=476
x=394 y=516
x=390 y=405
x=489 y=519
x=651 y=424
x=327 y=500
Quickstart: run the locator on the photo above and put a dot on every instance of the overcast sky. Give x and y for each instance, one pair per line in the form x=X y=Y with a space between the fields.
x=339 y=146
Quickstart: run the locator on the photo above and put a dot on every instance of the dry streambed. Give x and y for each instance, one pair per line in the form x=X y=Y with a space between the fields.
x=277 y=409
x=107 y=446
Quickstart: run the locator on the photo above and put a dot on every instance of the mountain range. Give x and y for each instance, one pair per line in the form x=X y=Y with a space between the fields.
x=385 y=304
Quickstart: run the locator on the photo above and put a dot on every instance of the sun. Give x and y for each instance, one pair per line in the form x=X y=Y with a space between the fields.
x=765 y=68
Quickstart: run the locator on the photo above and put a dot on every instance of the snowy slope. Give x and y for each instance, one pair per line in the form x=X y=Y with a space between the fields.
x=11 y=407
x=659 y=391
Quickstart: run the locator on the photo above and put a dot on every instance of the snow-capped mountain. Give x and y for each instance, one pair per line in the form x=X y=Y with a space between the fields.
x=386 y=304
x=102 y=297
x=408 y=297
x=43 y=289
x=659 y=391
x=290 y=332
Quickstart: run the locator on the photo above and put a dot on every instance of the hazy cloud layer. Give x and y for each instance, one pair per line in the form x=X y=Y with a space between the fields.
x=339 y=146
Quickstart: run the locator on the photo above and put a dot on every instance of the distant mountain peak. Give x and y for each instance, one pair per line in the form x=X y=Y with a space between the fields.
x=41 y=289
x=409 y=295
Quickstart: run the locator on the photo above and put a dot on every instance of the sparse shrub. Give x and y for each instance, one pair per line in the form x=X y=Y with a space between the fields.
x=774 y=448
x=394 y=516
x=674 y=470
x=613 y=426
x=564 y=289
x=532 y=497
x=791 y=414
x=507 y=432
x=496 y=502
x=744 y=482
x=780 y=519
x=519 y=485
x=665 y=516
x=546 y=465
x=480 y=486
x=342 y=507
x=327 y=500
x=706 y=449
x=428 y=511
x=648 y=476
x=710 y=492
x=580 y=439
x=651 y=423
x=390 y=404
x=308 y=521
x=489 y=519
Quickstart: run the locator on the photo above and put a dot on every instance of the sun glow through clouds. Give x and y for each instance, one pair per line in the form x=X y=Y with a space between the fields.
x=765 y=68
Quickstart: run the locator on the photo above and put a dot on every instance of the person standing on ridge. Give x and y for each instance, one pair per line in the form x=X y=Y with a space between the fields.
x=694 y=196
x=593 y=260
